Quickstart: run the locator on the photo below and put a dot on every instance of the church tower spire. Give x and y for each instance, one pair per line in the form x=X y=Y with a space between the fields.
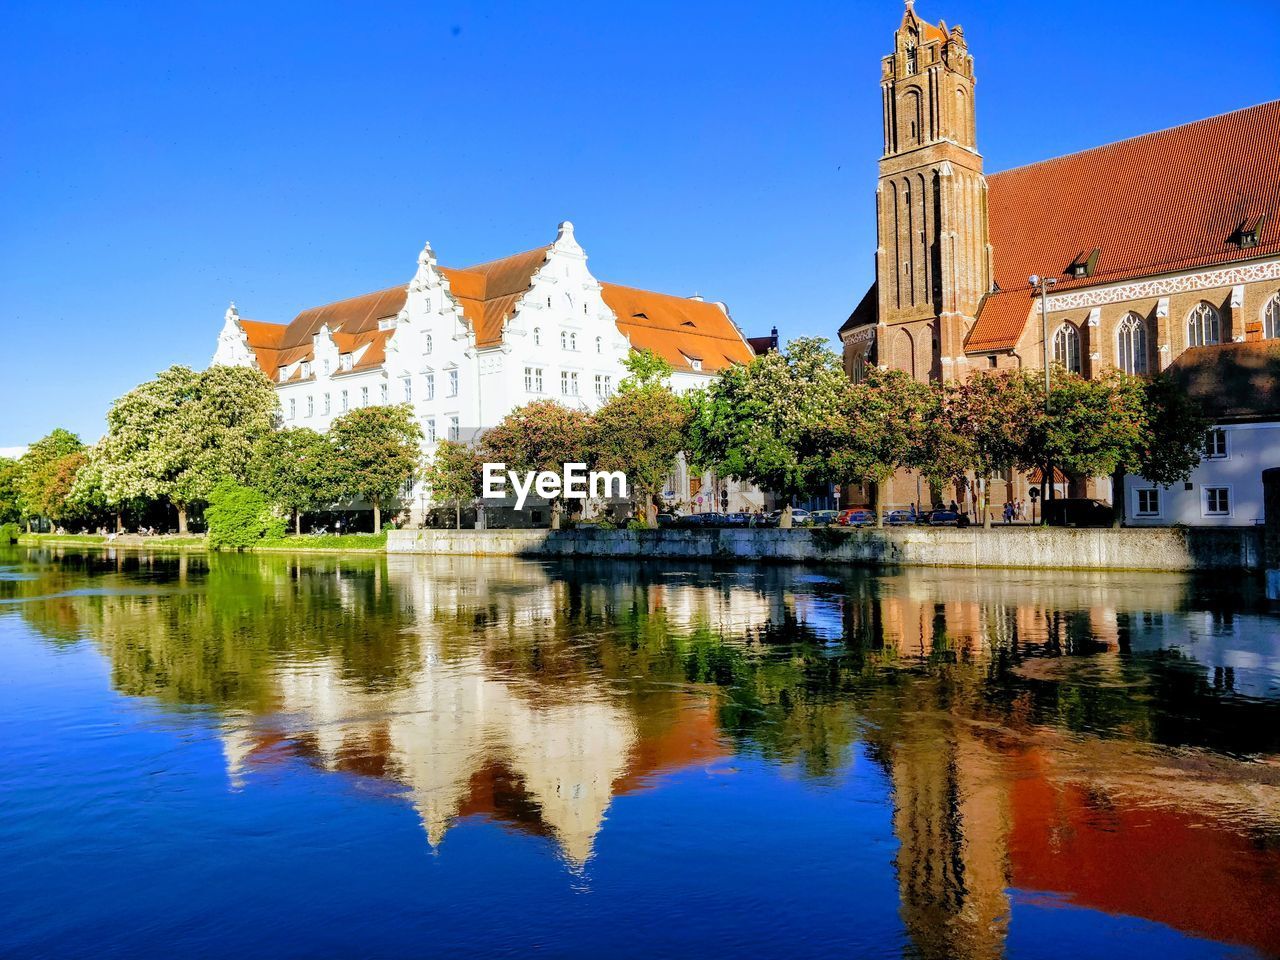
x=933 y=259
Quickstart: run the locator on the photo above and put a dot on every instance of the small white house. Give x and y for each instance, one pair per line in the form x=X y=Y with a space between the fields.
x=1239 y=386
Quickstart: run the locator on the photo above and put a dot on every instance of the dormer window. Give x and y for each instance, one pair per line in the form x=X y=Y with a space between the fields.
x=386 y=323
x=1084 y=264
x=345 y=361
x=696 y=364
x=282 y=374
x=306 y=368
x=1249 y=233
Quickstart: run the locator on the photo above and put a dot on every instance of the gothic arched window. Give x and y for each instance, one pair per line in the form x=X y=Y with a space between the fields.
x=1066 y=347
x=1203 y=326
x=1131 y=344
x=1271 y=318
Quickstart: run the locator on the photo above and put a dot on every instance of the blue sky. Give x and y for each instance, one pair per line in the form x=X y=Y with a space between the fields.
x=158 y=160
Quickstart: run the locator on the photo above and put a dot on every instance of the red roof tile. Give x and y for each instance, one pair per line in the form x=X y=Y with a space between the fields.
x=1154 y=204
x=1233 y=381
x=677 y=329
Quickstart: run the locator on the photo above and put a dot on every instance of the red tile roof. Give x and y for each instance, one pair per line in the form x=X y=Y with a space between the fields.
x=678 y=329
x=1158 y=203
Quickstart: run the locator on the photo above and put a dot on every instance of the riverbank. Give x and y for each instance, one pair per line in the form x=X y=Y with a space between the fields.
x=361 y=543
x=1042 y=548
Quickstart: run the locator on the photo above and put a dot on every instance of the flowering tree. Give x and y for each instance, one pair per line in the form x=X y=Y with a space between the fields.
x=543 y=435
x=773 y=422
x=453 y=474
x=882 y=426
x=640 y=431
x=377 y=452
x=46 y=473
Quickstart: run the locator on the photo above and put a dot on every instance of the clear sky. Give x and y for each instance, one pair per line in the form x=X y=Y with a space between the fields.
x=158 y=160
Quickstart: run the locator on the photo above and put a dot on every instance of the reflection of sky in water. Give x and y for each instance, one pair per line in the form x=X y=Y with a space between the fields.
x=267 y=756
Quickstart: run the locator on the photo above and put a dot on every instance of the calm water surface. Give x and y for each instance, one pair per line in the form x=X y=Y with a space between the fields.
x=278 y=757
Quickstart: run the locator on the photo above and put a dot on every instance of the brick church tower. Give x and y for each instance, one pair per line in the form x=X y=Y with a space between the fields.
x=933 y=261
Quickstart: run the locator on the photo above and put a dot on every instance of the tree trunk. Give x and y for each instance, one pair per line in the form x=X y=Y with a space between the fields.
x=555 y=515
x=297 y=522
x=1117 y=499
x=377 y=515
x=28 y=525
x=986 y=502
x=119 y=521
x=784 y=521
x=878 y=495
x=457 y=514
x=182 y=517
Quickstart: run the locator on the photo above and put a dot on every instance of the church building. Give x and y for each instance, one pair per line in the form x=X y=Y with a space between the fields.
x=1152 y=245
x=467 y=346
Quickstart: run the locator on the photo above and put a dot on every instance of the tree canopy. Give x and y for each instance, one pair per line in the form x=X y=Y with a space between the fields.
x=639 y=431
x=453 y=474
x=297 y=469
x=378 y=453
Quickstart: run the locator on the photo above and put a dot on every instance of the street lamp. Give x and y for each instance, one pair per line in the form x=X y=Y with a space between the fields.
x=1042 y=284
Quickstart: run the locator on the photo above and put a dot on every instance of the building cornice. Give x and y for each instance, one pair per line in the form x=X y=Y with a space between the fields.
x=1238 y=273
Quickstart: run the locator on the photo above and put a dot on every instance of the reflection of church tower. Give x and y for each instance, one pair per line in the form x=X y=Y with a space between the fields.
x=933 y=262
x=951 y=818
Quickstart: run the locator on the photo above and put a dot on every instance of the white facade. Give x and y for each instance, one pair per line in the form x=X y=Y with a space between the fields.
x=464 y=370
x=1225 y=490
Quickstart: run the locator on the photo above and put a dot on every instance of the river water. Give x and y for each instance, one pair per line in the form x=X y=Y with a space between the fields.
x=279 y=756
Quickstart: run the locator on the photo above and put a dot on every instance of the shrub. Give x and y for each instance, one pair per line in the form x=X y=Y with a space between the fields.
x=240 y=517
x=9 y=533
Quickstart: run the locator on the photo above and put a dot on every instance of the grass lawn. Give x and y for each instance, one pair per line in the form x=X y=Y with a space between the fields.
x=343 y=541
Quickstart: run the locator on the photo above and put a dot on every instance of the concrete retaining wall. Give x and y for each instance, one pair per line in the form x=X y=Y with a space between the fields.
x=1026 y=547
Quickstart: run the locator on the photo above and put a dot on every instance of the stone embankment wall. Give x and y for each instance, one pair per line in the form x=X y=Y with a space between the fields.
x=1025 y=547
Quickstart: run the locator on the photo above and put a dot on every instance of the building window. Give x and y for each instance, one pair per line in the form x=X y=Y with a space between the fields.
x=1066 y=348
x=408 y=389
x=429 y=381
x=564 y=340
x=344 y=405
x=564 y=383
x=364 y=396
x=311 y=406
x=1217 y=501
x=383 y=390
x=573 y=341
x=584 y=310
x=533 y=379
x=426 y=344
x=326 y=367
x=430 y=429
x=1148 y=502
x=1271 y=318
x=913 y=61
x=344 y=361
x=306 y=368
x=454 y=432
x=696 y=364
x=537 y=336
x=453 y=383
x=599 y=384
x=599 y=344
x=1215 y=444
x=328 y=404
x=1203 y=326
x=569 y=383
x=1131 y=345
x=293 y=408
x=282 y=374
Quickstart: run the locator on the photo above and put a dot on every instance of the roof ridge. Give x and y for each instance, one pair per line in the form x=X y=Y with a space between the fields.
x=356 y=296
x=511 y=256
x=659 y=293
x=1135 y=137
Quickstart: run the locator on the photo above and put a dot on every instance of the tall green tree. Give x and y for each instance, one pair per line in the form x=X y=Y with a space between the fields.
x=179 y=435
x=645 y=368
x=45 y=475
x=10 y=509
x=881 y=430
x=378 y=453
x=639 y=431
x=543 y=435
x=453 y=474
x=773 y=422
x=297 y=468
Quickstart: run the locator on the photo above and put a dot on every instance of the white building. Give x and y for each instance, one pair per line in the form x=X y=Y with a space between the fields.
x=467 y=346
x=1238 y=385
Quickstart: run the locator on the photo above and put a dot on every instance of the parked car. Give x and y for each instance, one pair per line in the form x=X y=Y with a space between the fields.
x=944 y=518
x=856 y=517
x=1077 y=512
x=737 y=519
x=668 y=520
x=801 y=518
x=822 y=518
x=898 y=518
